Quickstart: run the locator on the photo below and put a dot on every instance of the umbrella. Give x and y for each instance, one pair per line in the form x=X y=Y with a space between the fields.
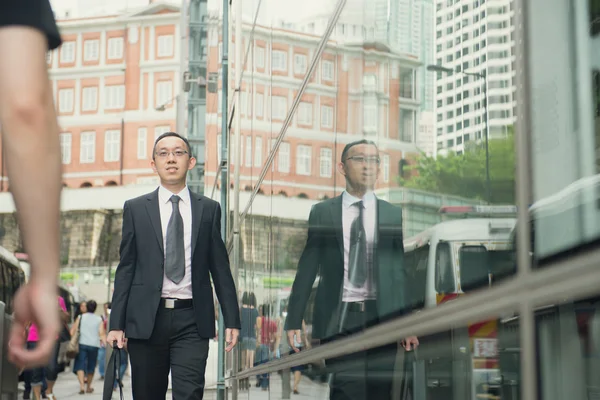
x=112 y=373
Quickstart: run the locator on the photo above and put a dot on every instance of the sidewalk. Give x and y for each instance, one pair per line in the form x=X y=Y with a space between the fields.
x=67 y=388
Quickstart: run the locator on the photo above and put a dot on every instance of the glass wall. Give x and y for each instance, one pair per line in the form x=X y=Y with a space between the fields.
x=398 y=164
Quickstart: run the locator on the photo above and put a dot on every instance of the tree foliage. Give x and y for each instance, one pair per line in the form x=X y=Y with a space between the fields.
x=465 y=174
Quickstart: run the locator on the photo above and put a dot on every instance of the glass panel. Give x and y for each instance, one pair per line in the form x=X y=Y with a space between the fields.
x=567 y=338
x=564 y=124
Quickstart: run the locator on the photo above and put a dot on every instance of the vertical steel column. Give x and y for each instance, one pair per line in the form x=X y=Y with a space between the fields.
x=221 y=393
x=181 y=98
x=527 y=332
x=195 y=105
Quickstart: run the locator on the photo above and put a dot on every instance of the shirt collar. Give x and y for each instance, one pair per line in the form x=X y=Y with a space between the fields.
x=368 y=199
x=164 y=194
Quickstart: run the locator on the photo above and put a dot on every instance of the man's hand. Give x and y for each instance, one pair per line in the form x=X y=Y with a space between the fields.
x=410 y=343
x=291 y=334
x=231 y=338
x=115 y=336
x=35 y=302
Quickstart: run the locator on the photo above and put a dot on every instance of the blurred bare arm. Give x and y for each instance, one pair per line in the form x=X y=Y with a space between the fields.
x=32 y=151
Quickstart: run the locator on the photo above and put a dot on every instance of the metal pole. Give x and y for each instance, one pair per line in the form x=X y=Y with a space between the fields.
x=181 y=103
x=224 y=187
x=238 y=156
x=488 y=188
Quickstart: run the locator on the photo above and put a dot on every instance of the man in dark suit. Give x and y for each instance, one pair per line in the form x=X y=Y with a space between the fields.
x=355 y=245
x=163 y=298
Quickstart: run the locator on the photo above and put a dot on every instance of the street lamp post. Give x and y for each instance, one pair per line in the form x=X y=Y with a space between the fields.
x=482 y=75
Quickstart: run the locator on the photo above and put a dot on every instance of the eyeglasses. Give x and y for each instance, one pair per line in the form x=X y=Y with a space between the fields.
x=361 y=159
x=176 y=153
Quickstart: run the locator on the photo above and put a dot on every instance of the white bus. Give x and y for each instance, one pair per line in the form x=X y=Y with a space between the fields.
x=446 y=261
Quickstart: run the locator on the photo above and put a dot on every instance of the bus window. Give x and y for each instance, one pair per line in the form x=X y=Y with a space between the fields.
x=478 y=265
x=417 y=276
x=11 y=279
x=474 y=267
x=444 y=275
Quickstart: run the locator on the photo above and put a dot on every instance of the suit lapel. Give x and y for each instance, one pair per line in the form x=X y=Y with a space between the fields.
x=154 y=213
x=336 y=215
x=197 y=209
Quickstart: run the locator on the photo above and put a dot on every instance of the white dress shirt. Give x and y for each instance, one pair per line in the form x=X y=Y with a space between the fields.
x=183 y=289
x=349 y=214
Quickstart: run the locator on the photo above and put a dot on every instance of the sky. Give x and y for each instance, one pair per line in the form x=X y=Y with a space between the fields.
x=271 y=10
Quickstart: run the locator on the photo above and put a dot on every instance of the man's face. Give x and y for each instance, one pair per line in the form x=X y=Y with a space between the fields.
x=361 y=166
x=172 y=160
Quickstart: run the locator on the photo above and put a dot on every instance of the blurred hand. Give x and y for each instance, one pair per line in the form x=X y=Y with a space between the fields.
x=116 y=336
x=231 y=338
x=34 y=302
x=297 y=334
x=410 y=343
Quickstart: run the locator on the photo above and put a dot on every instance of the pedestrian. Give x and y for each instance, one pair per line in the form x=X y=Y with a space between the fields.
x=163 y=303
x=31 y=149
x=91 y=337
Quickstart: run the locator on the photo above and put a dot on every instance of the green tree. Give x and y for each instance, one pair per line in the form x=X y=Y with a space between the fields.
x=464 y=175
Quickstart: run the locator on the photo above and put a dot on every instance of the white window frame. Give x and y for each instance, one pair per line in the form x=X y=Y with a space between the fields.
x=279 y=107
x=165 y=46
x=258 y=152
x=248 y=156
x=159 y=130
x=114 y=97
x=326 y=116
x=386 y=167
x=281 y=57
x=89 y=98
x=67 y=52
x=87 y=147
x=370 y=116
x=259 y=55
x=259 y=106
x=66 y=140
x=303 y=159
x=66 y=98
x=283 y=164
x=142 y=143
x=305 y=111
x=164 y=93
x=325 y=162
x=115 y=48
x=327 y=72
x=300 y=63
x=112 y=143
x=91 y=50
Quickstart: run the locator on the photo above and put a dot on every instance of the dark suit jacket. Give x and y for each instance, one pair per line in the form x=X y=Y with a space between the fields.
x=139 y=276
x=324 y=255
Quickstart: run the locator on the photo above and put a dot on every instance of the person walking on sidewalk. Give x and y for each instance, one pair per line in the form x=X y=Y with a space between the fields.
x=163 y=303
x=91 y=337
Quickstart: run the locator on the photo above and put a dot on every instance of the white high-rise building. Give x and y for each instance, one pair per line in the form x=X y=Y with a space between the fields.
x=473 y=36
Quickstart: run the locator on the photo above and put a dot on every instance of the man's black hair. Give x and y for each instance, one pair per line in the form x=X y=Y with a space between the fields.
x=352 y=144
x=171 y=134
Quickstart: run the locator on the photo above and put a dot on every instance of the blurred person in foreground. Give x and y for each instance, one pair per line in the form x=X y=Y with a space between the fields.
x=31 y=146
x=171 y=246
x=355 y=245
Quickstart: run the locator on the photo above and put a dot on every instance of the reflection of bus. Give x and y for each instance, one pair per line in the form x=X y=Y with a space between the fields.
x=12 y=278
x=450 y=259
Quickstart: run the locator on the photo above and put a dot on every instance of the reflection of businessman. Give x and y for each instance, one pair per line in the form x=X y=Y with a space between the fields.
x=355 y=244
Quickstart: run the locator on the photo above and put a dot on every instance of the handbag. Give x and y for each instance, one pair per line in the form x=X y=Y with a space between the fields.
x=73 y=346
x=112 y=374
x=64 y=341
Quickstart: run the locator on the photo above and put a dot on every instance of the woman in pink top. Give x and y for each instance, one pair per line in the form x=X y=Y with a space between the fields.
x=51 y=370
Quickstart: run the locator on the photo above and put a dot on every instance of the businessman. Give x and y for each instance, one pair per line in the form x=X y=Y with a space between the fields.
x=355 y=244
x=163 y=298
